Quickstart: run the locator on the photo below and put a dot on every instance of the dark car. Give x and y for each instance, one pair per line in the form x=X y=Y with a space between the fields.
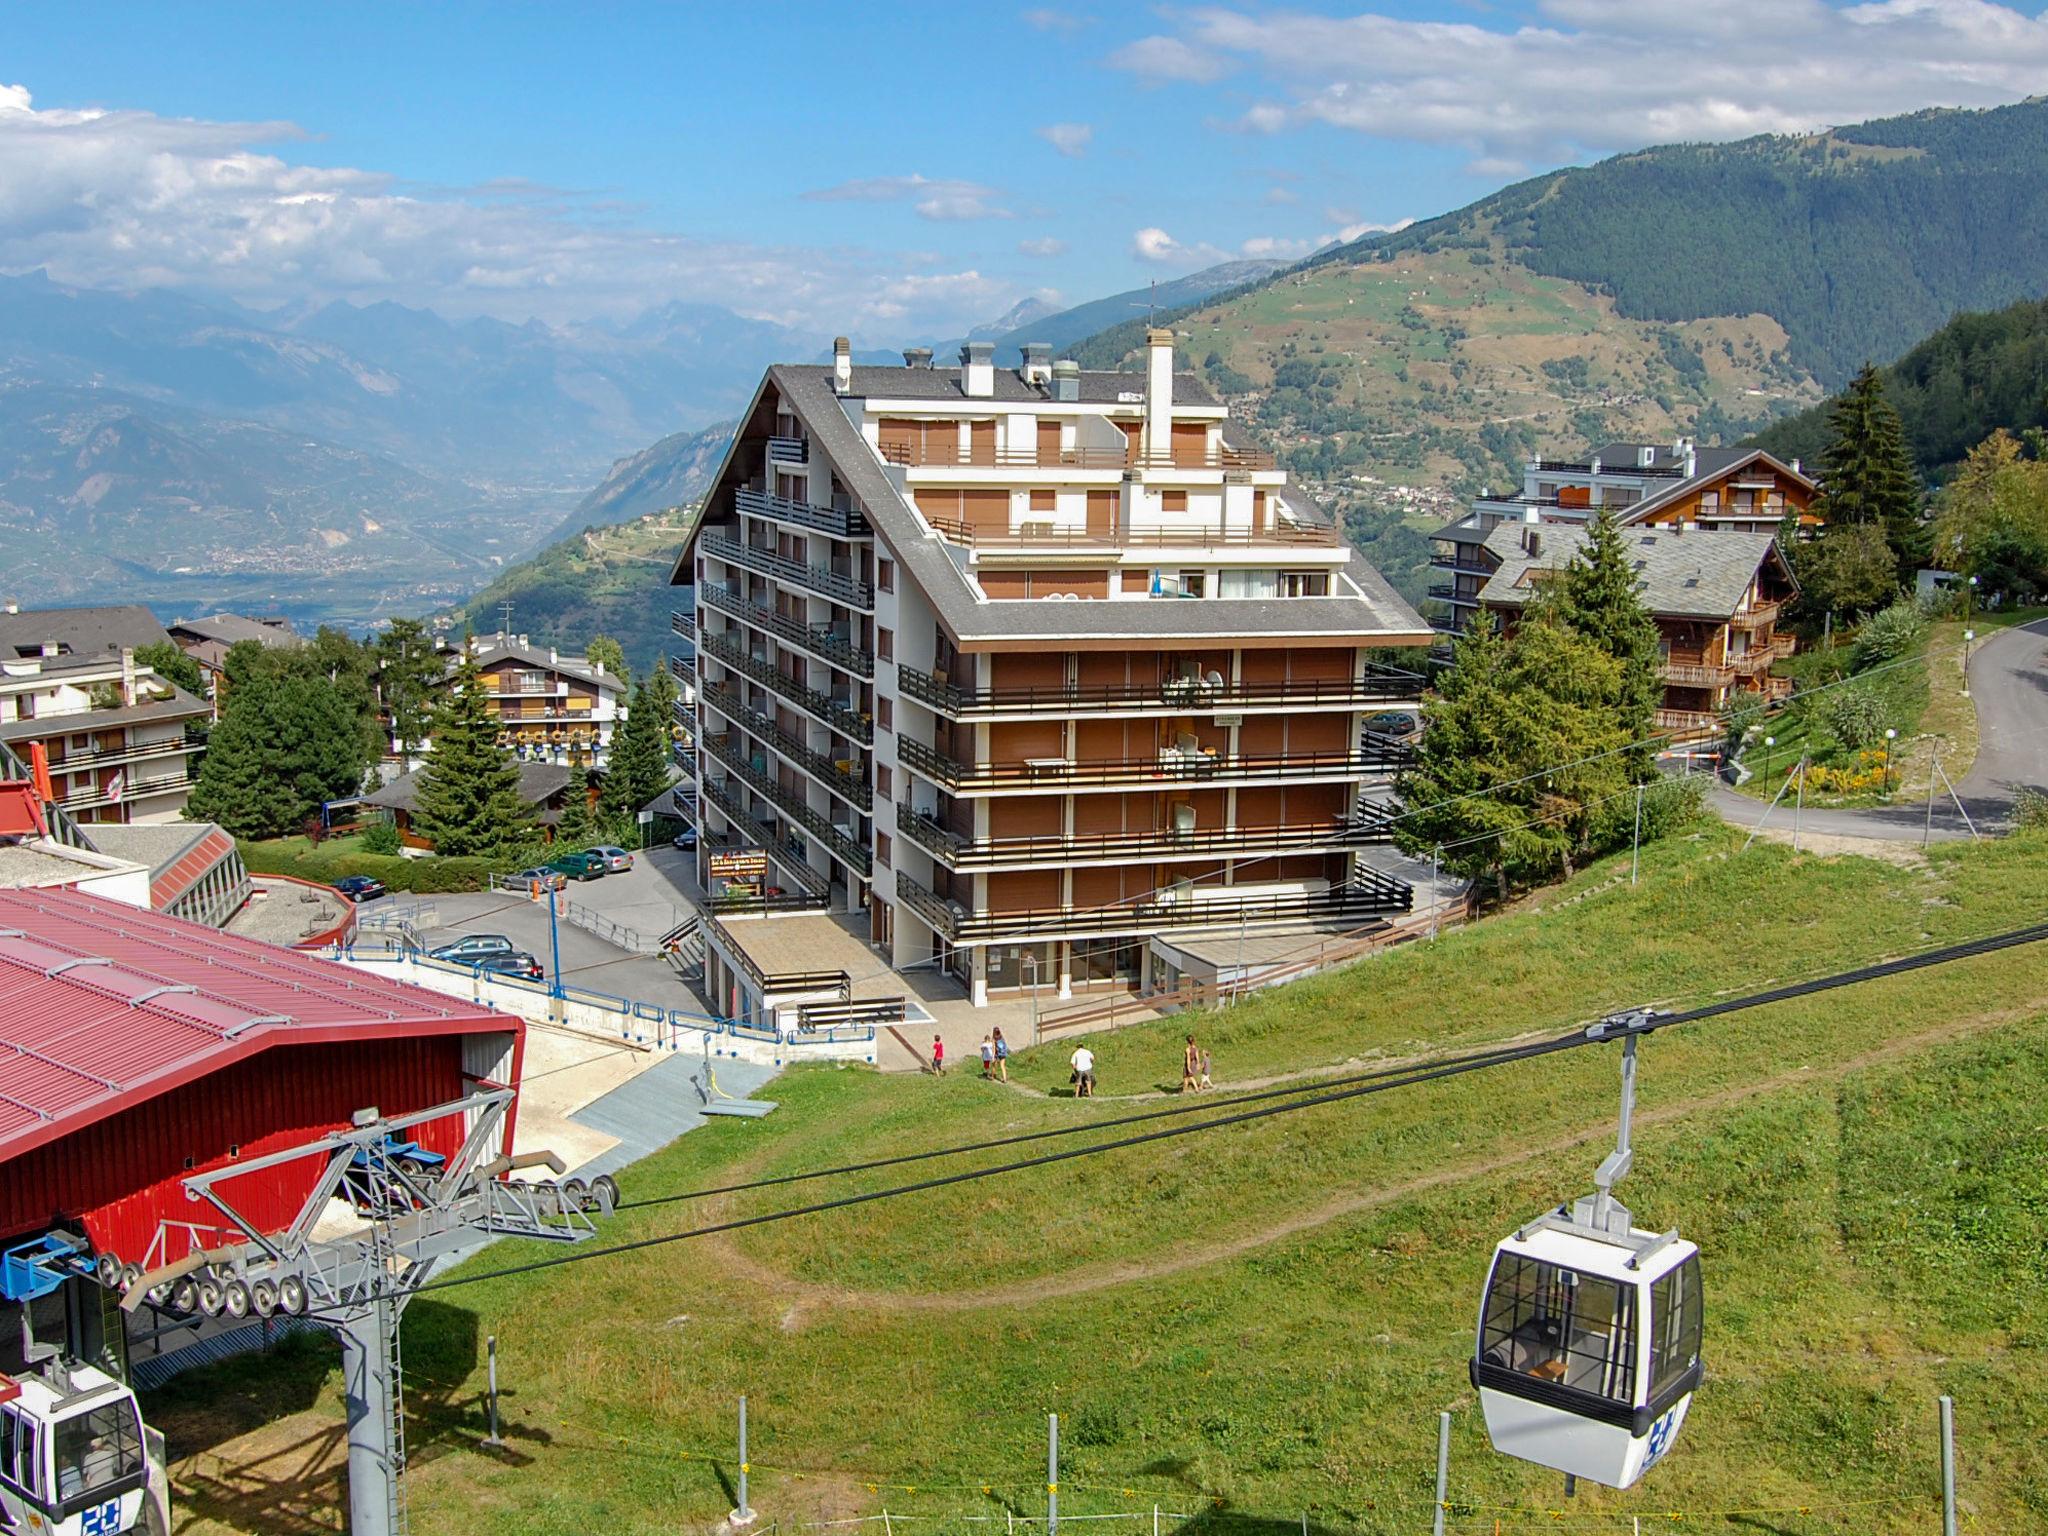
x=360 y=887
x=685 y=840
x=518 y=963
x=579 y=866
x=475 y=947
x=1396 y=724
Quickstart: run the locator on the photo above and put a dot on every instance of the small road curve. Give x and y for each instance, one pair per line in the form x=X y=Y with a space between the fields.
x=2009 y=685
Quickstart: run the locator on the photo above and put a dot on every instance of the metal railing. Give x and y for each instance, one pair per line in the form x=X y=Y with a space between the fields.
x=839 y=843
x=1376 y=755
x=792 y=864
x=1373 y=824
x=1035 y=535
x=821 y=707
x=683 y=623
x=773 y=981
x=84 y=799
x=74 y=759
x=62 y=828
x=1186 y=695
x=840 y=522
x=789 y=450
x=683 y=669
x=824 y=769
x=1369 y=894
x=846 y=588
x=984 y=455
x=818 y=640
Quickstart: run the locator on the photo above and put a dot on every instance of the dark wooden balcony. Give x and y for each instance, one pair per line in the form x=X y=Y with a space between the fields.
x=838 y=714
x=848 y=783
x=838 y=585
x=842 y=844
x=840 y=522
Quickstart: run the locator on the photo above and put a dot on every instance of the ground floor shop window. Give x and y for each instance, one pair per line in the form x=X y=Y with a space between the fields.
x=1107 y=960
x=1021 y=965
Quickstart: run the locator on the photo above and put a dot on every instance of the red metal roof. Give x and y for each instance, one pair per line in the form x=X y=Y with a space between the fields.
x=166 y=885
x=103 y=1006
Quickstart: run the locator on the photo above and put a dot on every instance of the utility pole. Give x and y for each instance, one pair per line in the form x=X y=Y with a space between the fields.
x=1052 y=1474
x=1635 y=852
x=1933 y=777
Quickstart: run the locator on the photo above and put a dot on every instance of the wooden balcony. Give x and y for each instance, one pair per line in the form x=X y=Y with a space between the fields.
x=1374 y=824
x=1757 y=615
x=1375 y=755
x=1181 y=696
x=1752 y=663
x=1694 y=673
x=788 y=860
x=683 y=622
x=789 y=450
x=1688 y=724
x=1784 y=645
x=846 y=783
x=842 y=843
x=1371 y=894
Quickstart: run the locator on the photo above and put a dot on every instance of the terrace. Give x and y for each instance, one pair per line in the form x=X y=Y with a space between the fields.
x=1186 y=694
x=1372 y=824
x=1375 y=755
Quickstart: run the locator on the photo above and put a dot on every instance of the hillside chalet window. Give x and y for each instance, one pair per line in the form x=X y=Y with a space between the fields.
x=1304 y=583
x=533 y=682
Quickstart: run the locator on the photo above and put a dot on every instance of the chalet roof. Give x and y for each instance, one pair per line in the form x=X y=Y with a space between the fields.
x=231 y=628
x=79 y=631
x=491 y=649
x=538 y=784
x=1696 y=574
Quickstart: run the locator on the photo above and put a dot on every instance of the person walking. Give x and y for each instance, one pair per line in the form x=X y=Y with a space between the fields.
x=988 y=1057
x=1083 y=1063
x=1002 y=1056
x=939 y=1054
x=1190 y=1066
x=1205 y=1085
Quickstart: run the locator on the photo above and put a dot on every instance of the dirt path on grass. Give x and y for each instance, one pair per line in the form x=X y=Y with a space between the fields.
x=804 y=1296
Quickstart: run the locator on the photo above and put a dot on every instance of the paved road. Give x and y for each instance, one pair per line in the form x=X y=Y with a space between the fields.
x=2009 y=685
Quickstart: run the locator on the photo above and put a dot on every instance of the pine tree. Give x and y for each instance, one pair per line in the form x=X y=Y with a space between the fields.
x=288 y=739
x=604 y=649
x=469 y=802
x=407 y=671
x=638 y=768
x=1598 y=597
x=576 y=828
x=1867 y=477
x=238 y=784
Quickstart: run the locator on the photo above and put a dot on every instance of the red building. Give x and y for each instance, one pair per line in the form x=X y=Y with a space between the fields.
x=137 y=1048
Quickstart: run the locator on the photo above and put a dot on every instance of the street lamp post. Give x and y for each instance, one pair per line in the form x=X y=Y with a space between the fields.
x=1770 y=742
x=1968 y=636
x=1891 y=738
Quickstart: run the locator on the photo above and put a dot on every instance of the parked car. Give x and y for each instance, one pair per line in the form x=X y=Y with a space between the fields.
x=578 y=866
x=616 y=860
x=685 y=840
x=1398 y=724
x=540 y=875
x=360 y=887
x=518 y=963
x=472 y=948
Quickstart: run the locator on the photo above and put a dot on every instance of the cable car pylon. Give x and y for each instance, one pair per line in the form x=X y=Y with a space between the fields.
x=1588 y=1348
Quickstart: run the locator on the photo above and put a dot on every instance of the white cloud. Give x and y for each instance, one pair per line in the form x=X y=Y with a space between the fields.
x=1155 y=245
x=129 y=200
x=1045 y=19
x=1595 y=76
x=1070 y=139
x=1277 y=197
x=940 y=199
x=1046 y=245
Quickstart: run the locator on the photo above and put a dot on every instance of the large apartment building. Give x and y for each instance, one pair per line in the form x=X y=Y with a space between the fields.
x=112 y=732
x=1656 y=485
x=1040 y=671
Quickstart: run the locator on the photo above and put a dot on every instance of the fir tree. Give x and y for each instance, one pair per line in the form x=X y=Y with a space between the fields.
x=407 y=671
x=576 y=828
x=603 y=649
x=1867 y=477
x=469 y=802
x=638 y=768
x=1598 y=597
x=238 y=784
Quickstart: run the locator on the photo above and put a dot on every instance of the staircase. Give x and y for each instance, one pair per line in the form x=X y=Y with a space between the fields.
x=683 y=948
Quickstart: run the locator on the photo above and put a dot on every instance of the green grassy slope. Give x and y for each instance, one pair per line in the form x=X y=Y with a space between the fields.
x=1264 y=1321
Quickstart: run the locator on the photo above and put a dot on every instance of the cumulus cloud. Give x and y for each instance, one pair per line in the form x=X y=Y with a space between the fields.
x=1070 y=139
x=1156 y=246
x=1044 y=246
x=1045 y=19
x=1667 y=70
x=940 y=199
x=130 y=200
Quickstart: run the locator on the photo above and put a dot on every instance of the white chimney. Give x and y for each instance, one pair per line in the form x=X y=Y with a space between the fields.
x=842 y=364
x=14 y=607
x=551 y=655
x=978 y=369
x=1066 y=379
x=1159 y=394
x=1037 y=366
x=1692 y=461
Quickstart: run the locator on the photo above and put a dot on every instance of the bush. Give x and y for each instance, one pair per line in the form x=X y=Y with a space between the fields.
x=428 y=875
x=1888 y=635
x=1745 y=709
x=2030 y=810
x=1853 y=715
x=381 y=837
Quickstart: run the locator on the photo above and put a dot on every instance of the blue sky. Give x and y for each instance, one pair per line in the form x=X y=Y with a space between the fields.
x=889 y=170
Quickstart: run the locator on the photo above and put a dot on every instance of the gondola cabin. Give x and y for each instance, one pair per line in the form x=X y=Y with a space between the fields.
x=1589 y=1346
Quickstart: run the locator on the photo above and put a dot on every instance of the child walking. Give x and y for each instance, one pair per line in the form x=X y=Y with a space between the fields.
x=939 y=1054
x=1002 y=1056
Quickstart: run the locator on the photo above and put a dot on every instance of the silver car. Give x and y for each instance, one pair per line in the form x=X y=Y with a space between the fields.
x=616 y=860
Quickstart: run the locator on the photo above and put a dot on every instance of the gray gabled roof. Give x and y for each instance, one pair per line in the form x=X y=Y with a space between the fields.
x=1098 y=386
x=230 y=628
x=1682 y=575
x=496 y=648
x=538 y=783
x=80 y=631
x=1380 y=613
x=1708 y=464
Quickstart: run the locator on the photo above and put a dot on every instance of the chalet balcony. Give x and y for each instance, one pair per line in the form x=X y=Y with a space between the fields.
x=1374 y=756
x=789 y=450
x=1752 y=663
x=837 y=713
x=684 y=670
x=1373 y=824
x=753 y=834
x=842 y=843
x=1179 y=696
x=1757 y=615
x=1370 y=894
x=820 y=641
x=840 y=586
x=840 y=775
x=1784 y=645
x=1688 y=723
x=1694 y=673
x=683 y=623
x=840 y=522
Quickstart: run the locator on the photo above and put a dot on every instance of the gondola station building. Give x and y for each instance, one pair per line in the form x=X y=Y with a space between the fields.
x=1030 y=674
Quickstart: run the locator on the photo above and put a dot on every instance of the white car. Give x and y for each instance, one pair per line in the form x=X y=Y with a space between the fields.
x=616 y=860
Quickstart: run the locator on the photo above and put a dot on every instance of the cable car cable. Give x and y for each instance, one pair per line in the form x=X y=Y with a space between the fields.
x=1599 y=1033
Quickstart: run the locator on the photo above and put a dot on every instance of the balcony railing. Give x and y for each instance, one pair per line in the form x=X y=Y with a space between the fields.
x=1185 y=695
x=843 y=782
x=1751 y=662
x=816 y=639
x=1694 y=674
x=791 y=863
x=1041 y=535
x=840 y=522
x=683 y=622
x=789 y=450
x=1369 y=894
x=943 y=455
x=1688 y=722
x=684 y=670
x=135 y=789
x=1373 y=824
x=840 y=843
x=1452 y=563
x=1757 y=615
x=818 y=578
x=1784 y=645
x=818 y=706
x=65 y=759
x=1375 y=755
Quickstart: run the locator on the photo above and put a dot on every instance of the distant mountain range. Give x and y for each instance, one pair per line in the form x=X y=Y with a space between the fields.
x=1034 y=320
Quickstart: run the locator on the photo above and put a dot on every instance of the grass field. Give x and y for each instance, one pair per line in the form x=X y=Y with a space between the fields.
x=1261 y=1323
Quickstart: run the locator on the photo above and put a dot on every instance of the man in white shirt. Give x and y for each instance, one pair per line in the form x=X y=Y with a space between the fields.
x=1083 y=1062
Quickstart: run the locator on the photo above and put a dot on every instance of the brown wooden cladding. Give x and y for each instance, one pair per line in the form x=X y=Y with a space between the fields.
x=1021 y=584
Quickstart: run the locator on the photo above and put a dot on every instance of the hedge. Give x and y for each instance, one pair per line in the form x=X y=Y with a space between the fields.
x=432 y=874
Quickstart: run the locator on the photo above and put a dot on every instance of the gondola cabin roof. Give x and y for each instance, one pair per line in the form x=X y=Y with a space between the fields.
x=1642 y=1256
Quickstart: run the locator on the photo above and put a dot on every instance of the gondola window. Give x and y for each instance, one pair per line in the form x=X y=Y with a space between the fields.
x=1675 y=1318
x=1556 y=1325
